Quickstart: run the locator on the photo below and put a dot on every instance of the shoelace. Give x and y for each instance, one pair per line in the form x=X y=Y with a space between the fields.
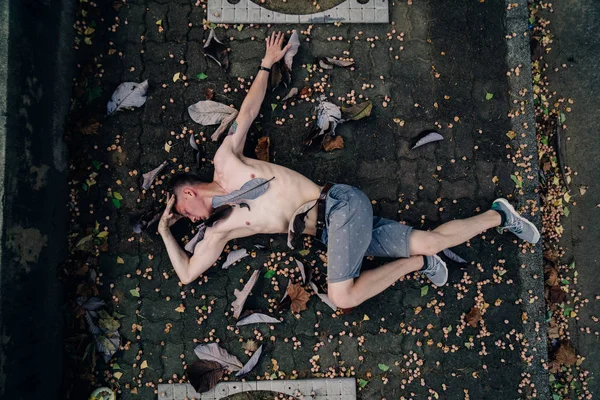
x=515 y=227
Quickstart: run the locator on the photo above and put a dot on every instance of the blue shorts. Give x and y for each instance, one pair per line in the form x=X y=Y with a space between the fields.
x=351 y=233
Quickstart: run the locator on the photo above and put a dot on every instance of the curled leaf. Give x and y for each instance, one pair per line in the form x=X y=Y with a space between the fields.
x=234 y=257
x=213 y=352
x=339 y=62
x=292 y=93
x=148 y=177
x=474 y=317
x=127 y=96
x=189 y=247
x=242 y=295
x=204 y=375
x=565 y=355
x=257 y=318
x=323 y=296
x=328 y=116
x=430 y=136
x=357 y=111
x=249 y=366
x=262 y=148
x=216 y=50
x=324 y=65
x=332 y=143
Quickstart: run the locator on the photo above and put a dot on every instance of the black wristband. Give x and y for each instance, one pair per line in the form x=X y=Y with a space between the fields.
x=261 y=68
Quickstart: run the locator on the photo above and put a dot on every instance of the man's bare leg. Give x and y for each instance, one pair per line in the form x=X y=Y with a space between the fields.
x=452 y=233
x=351 y=293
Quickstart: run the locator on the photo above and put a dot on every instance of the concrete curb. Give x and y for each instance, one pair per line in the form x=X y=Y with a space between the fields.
x=532 y=275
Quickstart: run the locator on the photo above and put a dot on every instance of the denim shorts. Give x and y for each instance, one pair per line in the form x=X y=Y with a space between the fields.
x=351 y=233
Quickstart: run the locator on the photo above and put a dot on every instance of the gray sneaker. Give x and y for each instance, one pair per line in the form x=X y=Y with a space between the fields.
x=436 y=270
x=516 y=224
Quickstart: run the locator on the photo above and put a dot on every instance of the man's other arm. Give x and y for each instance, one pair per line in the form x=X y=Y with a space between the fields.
x=236 y=137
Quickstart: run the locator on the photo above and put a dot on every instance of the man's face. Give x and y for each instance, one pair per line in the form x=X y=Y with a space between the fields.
x=190 y=204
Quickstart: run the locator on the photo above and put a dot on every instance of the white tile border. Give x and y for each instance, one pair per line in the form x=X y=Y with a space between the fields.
x=350 y=11
x=323 y=389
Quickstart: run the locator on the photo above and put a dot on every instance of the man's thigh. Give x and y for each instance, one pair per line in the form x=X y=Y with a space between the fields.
x=390 y=239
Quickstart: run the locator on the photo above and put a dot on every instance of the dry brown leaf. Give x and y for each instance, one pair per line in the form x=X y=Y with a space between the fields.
x=262 y=148
x=298 y=296
x=330 y=143
x=556 y=294
x=551 y=276
x=305 y=92
x=91 y=128
x=209 y=93
x=241 y=296
x=565 y=355
x=553 y=331
x=473 y=317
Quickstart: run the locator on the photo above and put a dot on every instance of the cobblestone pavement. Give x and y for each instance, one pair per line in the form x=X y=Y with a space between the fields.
x=430 y=69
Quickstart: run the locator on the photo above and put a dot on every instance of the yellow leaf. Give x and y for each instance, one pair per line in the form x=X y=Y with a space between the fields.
x=102 y=234
x=180 y=309
x=159 y=22
x=176 y=77
x=118 y=374
x=111 y=51
x=87 y=41
x=88 y=31
x=144 y=364
x=120 y=260
x=167 y=147
x=366 y=318
x=511 y=135
x=567 y=197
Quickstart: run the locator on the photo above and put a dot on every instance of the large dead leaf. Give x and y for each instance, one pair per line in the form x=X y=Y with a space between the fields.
x=565 y=355
x=298 y=296
x=225 y=124
x=257 y=318
x=213 y=352
x=204 y=375
x=262 y=148
x=242 y=295
x=339 y=62
x=428 y=137
x=127 y=96
x=328 y=116
x=291 y=94
x=208 y=112
x=332 y=143
x=249 y=366
x=556 y=295
x=288 y=57
x=150 y=176
x=216 y=50
x=473 y=317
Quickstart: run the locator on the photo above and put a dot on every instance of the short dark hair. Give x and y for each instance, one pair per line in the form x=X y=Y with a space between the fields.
x=183 y=179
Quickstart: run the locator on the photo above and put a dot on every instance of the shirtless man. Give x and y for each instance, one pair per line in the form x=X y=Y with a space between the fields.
x=343 y=219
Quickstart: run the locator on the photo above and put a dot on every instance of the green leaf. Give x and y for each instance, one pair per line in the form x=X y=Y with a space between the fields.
x=96 y=164
x=201 y=76
x=556 y=397
x=308 y=67
x=269 y=274
x=116 y=366
x=562 y=118
x=572 y=265
x=362 y=383
x=564 y=282
x=87 y=41
x=212 y=25
x=536 y=77
x=159 y=22
x=204 y=308
x=273 y=106
x=273 y=376
x=240 y=27
x=117 y=196
x=357 y=111
x=117 y=203
x=85 y=187
x=566 y=211
x=517 y=180
x=489 y=96
x=468 y=345
x=135 y=292
x=544 y=140
x=304 y=252
x=92 y=94
x=84 y=240
x=383 y=367
x=424 y=290
x=567 y=312
x=449 y=328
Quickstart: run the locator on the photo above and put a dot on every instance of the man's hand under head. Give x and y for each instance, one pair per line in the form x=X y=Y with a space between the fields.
x=274 y=51
x=167 y=219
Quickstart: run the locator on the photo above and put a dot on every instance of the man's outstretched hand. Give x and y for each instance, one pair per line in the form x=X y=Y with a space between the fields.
x=274 y=51
x=167 y=219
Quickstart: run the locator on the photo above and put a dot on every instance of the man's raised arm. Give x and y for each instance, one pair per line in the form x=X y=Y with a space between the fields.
x=236 y=137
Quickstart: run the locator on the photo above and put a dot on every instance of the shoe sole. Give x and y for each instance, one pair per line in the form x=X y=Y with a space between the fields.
x=536 y=235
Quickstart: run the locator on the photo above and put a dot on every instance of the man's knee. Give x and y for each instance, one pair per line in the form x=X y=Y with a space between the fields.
x=427 y=244
x=341 y=297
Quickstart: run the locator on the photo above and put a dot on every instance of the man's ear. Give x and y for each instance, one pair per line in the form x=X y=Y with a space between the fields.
x=188 y=192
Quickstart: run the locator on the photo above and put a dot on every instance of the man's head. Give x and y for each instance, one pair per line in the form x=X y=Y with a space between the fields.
x=191 y=197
